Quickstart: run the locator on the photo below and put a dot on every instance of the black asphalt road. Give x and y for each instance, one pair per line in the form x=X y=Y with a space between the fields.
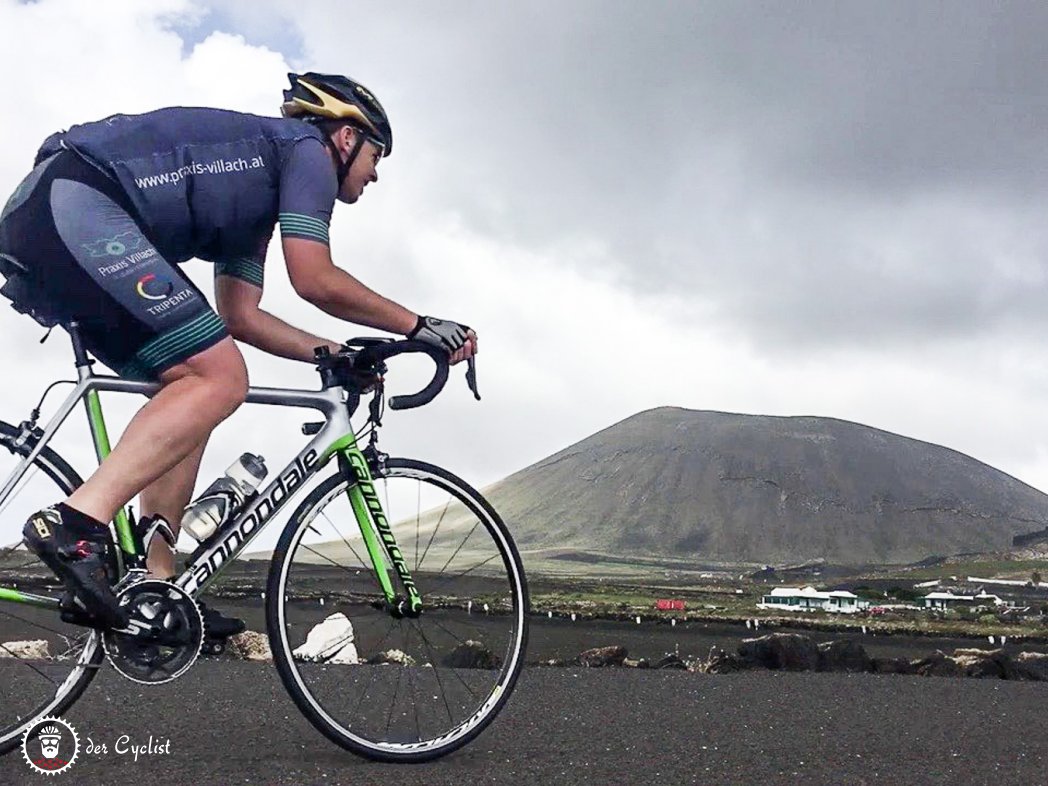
x=231 y=723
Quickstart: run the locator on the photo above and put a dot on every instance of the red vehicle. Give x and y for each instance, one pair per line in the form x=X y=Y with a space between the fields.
x=669 y=605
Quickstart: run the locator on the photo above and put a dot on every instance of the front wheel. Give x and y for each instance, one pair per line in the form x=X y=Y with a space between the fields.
x=384 y=685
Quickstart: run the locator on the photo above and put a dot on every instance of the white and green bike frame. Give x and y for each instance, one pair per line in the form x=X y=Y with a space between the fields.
x=334 y=438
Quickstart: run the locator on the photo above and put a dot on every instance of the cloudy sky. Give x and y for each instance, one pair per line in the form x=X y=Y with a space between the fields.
x=828 y=209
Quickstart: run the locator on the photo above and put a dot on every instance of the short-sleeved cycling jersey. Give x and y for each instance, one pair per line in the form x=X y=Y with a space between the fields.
x=209 y=183
x=112 y=207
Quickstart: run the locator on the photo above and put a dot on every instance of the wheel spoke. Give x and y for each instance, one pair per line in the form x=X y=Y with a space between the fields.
x=378 y=647
x=418 y=517
x=33 y=624
x=414 y=695
x=452 y=668
x=25 y=662
x=448 y=579
x=429 y=706
x=31 y=685
x=436 y=671
x=325 y=557
x=459 y=548
x=396 y=692
x=343 y=538
x=433 y=534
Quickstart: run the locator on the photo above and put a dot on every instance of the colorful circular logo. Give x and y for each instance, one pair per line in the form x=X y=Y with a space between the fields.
x=152 y=288
x=50 y=745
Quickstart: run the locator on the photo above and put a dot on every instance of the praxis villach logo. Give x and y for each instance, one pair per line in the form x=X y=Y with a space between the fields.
x=116 y=246
x=50 y=745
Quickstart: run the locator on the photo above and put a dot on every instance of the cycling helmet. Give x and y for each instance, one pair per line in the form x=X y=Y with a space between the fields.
x=315 y=97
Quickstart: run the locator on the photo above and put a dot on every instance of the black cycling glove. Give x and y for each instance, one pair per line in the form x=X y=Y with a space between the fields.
x=443 y=333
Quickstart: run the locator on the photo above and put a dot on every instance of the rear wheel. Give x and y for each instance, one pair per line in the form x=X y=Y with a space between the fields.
x=45 y=663
x=390 y=687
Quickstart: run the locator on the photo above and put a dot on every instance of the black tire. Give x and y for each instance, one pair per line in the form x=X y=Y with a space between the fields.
x=13 y=680
x=511 y=618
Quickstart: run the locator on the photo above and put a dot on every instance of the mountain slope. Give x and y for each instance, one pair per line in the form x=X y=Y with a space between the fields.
x=747 y=488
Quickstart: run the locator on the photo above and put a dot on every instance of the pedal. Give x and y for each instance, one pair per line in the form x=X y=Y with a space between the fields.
x=212 y=648
x=73 y=613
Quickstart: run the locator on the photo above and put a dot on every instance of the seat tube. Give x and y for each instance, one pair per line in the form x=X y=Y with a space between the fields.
x=100 y=436
x=79 y=353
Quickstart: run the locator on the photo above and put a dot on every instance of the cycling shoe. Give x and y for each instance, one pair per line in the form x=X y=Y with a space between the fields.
x=219 y=626
x=79 y=562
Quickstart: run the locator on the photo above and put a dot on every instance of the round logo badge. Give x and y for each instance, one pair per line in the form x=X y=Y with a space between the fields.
x=50 y=745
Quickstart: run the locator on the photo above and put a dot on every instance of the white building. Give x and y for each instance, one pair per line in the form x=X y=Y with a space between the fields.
x=810 y=599
x=946 y=600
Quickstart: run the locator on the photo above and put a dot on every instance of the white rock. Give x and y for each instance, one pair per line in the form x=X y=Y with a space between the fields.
x=346 y=655
x=25 y=650
x=330 y=640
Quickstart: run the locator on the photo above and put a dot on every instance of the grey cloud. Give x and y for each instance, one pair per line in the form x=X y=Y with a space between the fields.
x=818 y=173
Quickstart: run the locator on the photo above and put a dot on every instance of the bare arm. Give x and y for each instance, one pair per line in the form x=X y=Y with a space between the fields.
x=317 y=280
x=238 y=306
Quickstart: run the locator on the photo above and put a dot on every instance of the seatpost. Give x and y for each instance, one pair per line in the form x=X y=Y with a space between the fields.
x=79 y=352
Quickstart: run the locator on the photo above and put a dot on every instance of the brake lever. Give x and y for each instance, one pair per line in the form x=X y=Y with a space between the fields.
x=471 y=376
x=376 y=405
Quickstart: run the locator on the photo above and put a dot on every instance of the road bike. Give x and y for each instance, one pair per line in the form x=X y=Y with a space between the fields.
x=395 y=599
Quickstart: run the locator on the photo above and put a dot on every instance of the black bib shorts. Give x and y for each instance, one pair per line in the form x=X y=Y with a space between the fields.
x=73 y=248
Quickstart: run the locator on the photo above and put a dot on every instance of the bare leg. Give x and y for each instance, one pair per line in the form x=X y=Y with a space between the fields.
x=168 y=496
x=196 y=396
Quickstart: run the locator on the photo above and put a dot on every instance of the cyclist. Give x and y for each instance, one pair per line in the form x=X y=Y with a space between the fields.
x=95 y=234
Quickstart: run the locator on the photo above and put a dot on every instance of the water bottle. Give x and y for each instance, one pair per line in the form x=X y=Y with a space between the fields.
x=223 y=499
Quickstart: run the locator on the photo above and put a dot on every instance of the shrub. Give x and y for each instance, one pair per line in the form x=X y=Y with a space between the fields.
x=904 y=594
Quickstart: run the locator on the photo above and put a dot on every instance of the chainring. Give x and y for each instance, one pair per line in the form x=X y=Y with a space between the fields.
x=164 y=635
